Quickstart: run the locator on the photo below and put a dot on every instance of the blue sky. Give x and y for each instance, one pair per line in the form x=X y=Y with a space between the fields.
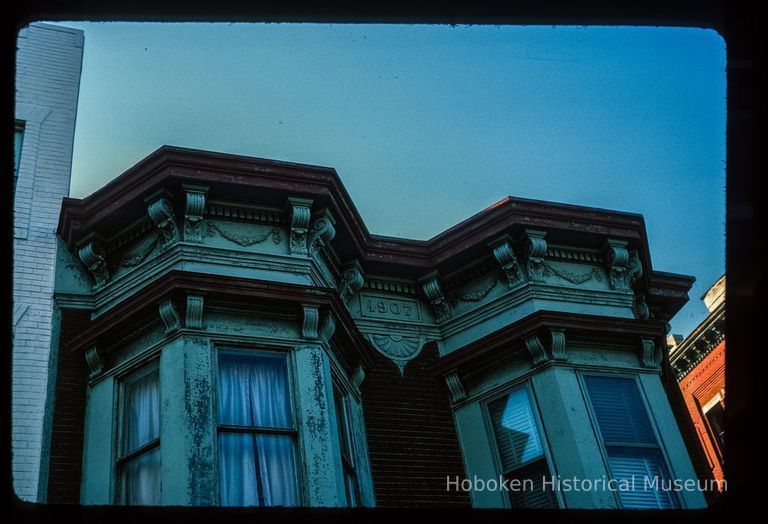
x=427 y=125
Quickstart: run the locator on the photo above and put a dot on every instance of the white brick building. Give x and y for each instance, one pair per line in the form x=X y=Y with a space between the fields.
x=48 y=67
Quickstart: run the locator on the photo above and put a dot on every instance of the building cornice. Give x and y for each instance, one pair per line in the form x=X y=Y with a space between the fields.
x=699 y=344
x=528 y=332
x=233 y=177
x=175 y=287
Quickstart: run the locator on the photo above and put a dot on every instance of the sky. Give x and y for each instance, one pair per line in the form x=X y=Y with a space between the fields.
x=427 y=125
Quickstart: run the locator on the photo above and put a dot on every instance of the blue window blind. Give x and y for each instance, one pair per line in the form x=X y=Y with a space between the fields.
x=633 y=452
x=521 y=449
x=515 y=427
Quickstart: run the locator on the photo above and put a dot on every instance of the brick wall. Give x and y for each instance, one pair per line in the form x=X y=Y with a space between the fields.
x=411 y=435
x=701 y=384
x=66 y=458
x=47 y=84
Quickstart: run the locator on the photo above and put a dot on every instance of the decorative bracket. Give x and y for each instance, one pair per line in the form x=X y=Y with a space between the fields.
x=351 y=280
x=538 y=352
x=535 y=249
x=193 y=214
x=458 y=393
x=94 y=361
x=322 y=231
x=434 y=294
x=91 y=255
x=505 y=256
x=400 y=350
x=327 y=329
x=311 y=318
x=649 y=356
x=640 y=307
x=558 y=344
x=299 y=209
x=624 y=267
x=195 y=305
x=358 y=377
x=161 y=213
x=170 y=316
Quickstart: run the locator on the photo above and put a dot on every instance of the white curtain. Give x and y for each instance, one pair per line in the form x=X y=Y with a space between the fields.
x=141 y=475
x=253 y=392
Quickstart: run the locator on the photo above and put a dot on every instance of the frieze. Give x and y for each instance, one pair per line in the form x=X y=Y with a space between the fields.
x=137 y=259
x=574 y=278
x=244 y=240
x=475 y=293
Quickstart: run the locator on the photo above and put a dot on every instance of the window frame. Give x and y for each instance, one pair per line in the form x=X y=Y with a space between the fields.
x=349 y=464
x=121 y=458
x=651 y=420
x=293 y=431
x=18 y=126
x=526 y=385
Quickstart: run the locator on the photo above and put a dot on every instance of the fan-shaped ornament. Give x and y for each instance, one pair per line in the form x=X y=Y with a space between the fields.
x=398 y=349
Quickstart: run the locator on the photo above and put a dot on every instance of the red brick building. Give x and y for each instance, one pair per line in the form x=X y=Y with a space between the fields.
x=699 y=362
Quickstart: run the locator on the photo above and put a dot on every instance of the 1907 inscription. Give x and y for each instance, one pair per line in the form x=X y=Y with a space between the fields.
x=378 y=307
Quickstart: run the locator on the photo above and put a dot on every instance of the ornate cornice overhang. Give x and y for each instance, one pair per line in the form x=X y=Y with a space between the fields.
x=270 y=182
x=545 y=326
x=126 y=318
x=699 y=344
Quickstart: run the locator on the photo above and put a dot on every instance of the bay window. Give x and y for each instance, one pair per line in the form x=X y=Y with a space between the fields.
x=521 y=449
x=256 y=432
x=139 y=459
x=630 y=444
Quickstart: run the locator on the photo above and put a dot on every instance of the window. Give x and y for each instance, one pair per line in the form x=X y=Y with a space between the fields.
x=630 y=444
x=351 y=489
x=139 y=463
x=257 y=438
x=18 y=139
x=521 y=449
x=715 y=416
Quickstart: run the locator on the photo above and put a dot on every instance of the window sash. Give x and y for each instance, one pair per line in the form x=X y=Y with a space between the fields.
x=138 y=464
x=524 y=454
x=256 y=465
x=522 y=442
x=351 y=485
x=630 y=444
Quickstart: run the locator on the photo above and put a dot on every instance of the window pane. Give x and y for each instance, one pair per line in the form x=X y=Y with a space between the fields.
x=18 y=139
x=619 y=410
x=253 y=390
x=643 y=469
x=515 y=429
x=538 y=496
x=341 y=419
x=142 y=411
x=716 y=418
x=141 y=479
x=257 y=470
